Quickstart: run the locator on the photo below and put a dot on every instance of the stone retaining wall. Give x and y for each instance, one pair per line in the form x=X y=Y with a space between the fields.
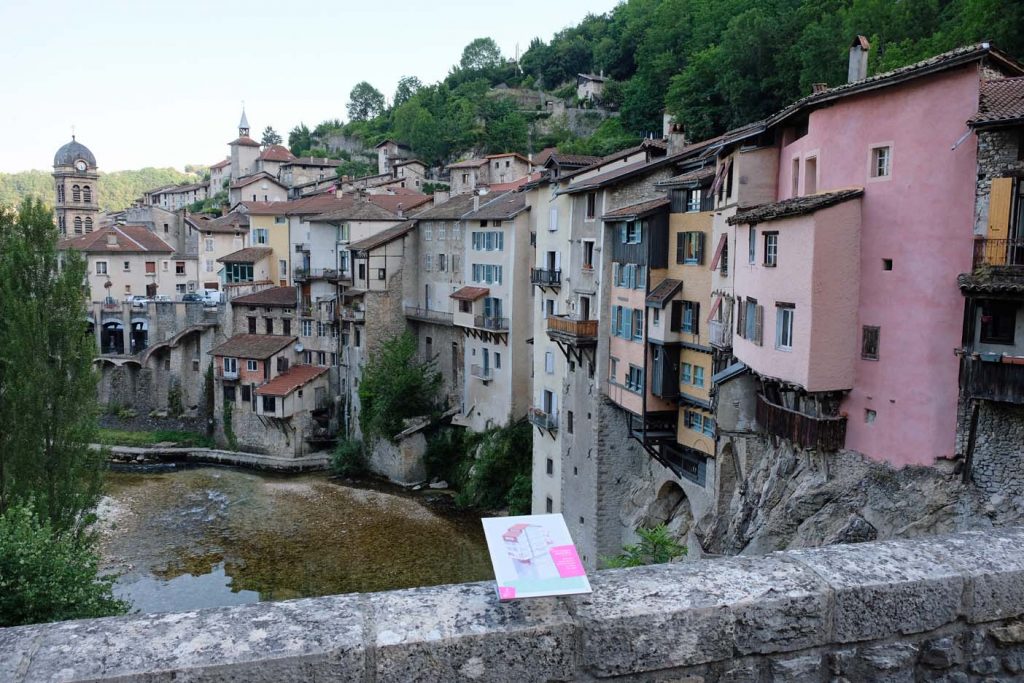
x=941 y=609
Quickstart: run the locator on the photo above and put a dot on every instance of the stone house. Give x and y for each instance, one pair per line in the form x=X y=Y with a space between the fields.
x=590 y=87
x=506 y=168
x=301 y=170
x=466 y=176
x=258 y=187
x=390 y=153
x=220 y=172
x=272 y=158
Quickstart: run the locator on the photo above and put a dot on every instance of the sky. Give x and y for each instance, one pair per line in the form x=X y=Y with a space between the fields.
x=146 y=83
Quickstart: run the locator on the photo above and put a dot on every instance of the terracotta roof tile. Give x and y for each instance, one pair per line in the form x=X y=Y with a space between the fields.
x=454 y=209
x=258 y=346
x=503 y=207
x=468 y=163
x=129 y=239
x=246 y=255
x=229 y=223
x=245 y=141
x=795 y=206
x=221 y=164
x=277 y=153
x=404 y=201
x=291 y=379
x=274 y=296
x=636 y=210
x=692 y=178
x=469 y=293
x=256 y=177
x=664 y=292
x=541 y=157
x=993 y=280
x=383 y=237
x=573 y=160
x=1002 y=102
x=358 y=210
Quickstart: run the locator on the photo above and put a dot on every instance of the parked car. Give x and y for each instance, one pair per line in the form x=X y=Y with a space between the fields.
x=162 y=298
x=193 y=297
x=139 y=301
x=211 y=297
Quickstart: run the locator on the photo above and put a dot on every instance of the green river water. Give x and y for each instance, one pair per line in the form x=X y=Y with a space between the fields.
x=208 y=537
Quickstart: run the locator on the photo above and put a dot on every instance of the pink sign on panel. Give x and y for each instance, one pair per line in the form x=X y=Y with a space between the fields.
x=506 y=593
x=567 y=561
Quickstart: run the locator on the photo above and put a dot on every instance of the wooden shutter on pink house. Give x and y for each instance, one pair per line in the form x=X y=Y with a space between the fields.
x=741 y=318
x=758 y=324
x=718 y=253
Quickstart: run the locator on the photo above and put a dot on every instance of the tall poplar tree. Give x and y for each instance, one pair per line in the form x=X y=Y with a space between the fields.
x=47 y=381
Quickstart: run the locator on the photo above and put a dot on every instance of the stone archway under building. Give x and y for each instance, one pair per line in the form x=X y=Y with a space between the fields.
x=670 y=507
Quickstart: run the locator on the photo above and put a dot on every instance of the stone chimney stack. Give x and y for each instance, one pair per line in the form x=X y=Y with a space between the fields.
x=476 y=202
x=672 y=133
x=858 y=60
x=818 y=87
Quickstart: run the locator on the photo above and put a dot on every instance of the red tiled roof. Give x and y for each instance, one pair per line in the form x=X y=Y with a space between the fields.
x=795 y=206
x=468 y=293
x=245 y=141
x=453 y=209
x=636 y=210
x=514 y=185
x=229 y=223
x=290 y=380
x=297 y=207
x=501 y=207
x=1002 y=102
x=541 y=157
x=258 y=346
x=400 y=201
x=275 y=296
x=383 y=237
x=276 y=153
x=246 y=255
x=249 y=180
x=220 y=164
x=129 y=239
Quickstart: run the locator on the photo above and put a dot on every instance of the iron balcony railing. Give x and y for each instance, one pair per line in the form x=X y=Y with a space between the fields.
x=818 y=433
x=227 y=374
x=425 y=314
x=543 y=277
x=352 y=314
x=490 y=322
x=543 y=419
x=988 y=252
x=481 y=372
x=300 y=274
x=720 y=334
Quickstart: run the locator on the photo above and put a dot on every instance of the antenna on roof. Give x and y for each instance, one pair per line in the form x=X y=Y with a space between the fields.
x=72 y=131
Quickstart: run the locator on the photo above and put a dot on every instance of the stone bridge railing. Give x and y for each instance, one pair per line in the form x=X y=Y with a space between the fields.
x=945 y=608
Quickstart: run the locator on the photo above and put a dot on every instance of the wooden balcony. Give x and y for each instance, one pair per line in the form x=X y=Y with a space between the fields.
x=989 y=252
x=806 y=431
x=720 y=334
x=993 y=378
x=574 y=332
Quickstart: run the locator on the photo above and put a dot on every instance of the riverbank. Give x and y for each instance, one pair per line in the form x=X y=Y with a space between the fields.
x=159 y=454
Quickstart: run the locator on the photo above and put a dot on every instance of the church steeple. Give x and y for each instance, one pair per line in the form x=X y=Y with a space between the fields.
x=243 y=125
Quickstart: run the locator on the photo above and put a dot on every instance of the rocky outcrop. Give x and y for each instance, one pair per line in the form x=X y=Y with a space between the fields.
x=791 y=499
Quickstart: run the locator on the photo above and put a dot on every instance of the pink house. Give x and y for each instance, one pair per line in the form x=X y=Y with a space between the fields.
x=853 y=271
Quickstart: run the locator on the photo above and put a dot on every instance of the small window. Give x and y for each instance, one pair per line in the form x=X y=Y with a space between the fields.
x=771 y=249
x=591 y=205
x=784 y=327
x=869 y=415
x=230 y=365
x=998 y=320
x=690 y=248
x=811 y=175
x=887 y=264
x=869 y=342
x=568 y=423
x=101 y=267
x=252 y=365
x=381 y=274
x=259 y=236
x=179 y=268
x=588 y=254
x=549 y=362
x=752 y=245
x=269 y=325
x=881 y=162
x=280 y=219
x=549 y=505
x=269 y=404
x=550 y=467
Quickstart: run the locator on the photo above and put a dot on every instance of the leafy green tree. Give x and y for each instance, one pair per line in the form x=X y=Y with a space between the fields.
x=356 y=168
x=396 y=385
x=500 y=463
x=656 y=546
x=481 y=54
x=349 y=458
x=46 y=575
x=270 y=137
x=300 y=140
x=407 y=87
x=364 y=102
x=47 y=381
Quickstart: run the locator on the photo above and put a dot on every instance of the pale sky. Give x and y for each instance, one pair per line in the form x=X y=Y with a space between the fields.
x=161 y=83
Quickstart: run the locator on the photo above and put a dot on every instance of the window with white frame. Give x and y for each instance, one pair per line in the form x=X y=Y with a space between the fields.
x=101 y=267
x=491 y=240
x=549 y=362
x=693 y=198
x=635 y=379
x=428 y=261
x=486 y=273
x=260 y=236
x=698 y=376
x=632 y=233
x=771 y=249
x=230 y=366
x=881 y=161
x=784 y=327
x=307 y=328
x=440 y=232
x=209 y=244
x=686 y=373
x=251 y=365
x=428 y=231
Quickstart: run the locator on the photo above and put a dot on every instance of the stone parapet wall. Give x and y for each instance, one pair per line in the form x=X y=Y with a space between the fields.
x=946 y=608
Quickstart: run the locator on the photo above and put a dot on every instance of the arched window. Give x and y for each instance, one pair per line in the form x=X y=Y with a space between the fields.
x=60 y=193
x=78 y=225
x=76 y=193
x=62 y=225
x=88 y=224
x=87 y=194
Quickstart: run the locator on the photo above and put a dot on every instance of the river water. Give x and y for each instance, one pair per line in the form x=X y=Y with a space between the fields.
x=208 y=537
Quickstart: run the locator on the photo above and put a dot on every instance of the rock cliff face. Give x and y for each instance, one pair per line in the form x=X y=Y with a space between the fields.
x=785 y=499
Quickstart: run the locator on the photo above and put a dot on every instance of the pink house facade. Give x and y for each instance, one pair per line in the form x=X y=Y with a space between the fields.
x=871 y=279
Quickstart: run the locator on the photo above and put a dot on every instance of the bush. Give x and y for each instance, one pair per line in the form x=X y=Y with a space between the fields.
x=120 y=437
x=49 y=577
x=520 y=496
x=396 y=386
x=229 y=427
x=655 y=547
x=504 y=454
x=349 y=458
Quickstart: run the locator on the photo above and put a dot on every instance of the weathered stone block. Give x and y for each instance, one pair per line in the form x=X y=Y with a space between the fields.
x=273 y=642
x=940 y=653
x=802 y=669
x=992 y=562
x=1009 y=634
x=985 y=666
x=713 y=609
x=463 y=633
x=882 y=589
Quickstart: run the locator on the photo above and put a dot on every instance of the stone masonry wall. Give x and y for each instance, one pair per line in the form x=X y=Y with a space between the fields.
x=997 y=466
x=939 y=609
x=998 y=156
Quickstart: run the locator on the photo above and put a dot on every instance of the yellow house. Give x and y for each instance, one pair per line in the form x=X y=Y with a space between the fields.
x=268 y=227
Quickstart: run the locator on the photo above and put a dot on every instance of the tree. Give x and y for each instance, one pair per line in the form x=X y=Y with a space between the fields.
x=48 y=576
x=355 y=168
x=47 y=381
x=481 y=54
x=365 y=102
x=396 y=386
x=407 y=87
x=299 y=140
x=656 y=546
x=270 y=137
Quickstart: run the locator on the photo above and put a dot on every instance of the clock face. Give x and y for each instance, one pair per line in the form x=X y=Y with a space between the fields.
x=80 y=165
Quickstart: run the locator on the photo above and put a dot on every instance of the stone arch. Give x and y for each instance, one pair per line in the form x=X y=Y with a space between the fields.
x=670 y=507
x=112 y=337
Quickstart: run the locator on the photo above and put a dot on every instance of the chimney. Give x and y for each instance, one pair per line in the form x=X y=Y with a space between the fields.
x=476 y=202
x=818 y=87
x=858 y=60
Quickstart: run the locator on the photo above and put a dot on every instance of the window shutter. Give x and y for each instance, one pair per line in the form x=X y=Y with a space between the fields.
x=999 y=208
x=553 y=219
x=696 y=317
x=677 y=316
x=615 y=320
x=758 y=324
x=642 y=279
x=718 y=251
x=700 y=248
x=680 y=247
x=622 y=233
x=741 y=318
x=615 y=274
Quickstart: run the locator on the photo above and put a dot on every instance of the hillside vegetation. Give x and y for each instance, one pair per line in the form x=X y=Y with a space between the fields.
x=117 y=189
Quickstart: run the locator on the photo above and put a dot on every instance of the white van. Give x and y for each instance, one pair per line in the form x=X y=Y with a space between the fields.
x=211 y=297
